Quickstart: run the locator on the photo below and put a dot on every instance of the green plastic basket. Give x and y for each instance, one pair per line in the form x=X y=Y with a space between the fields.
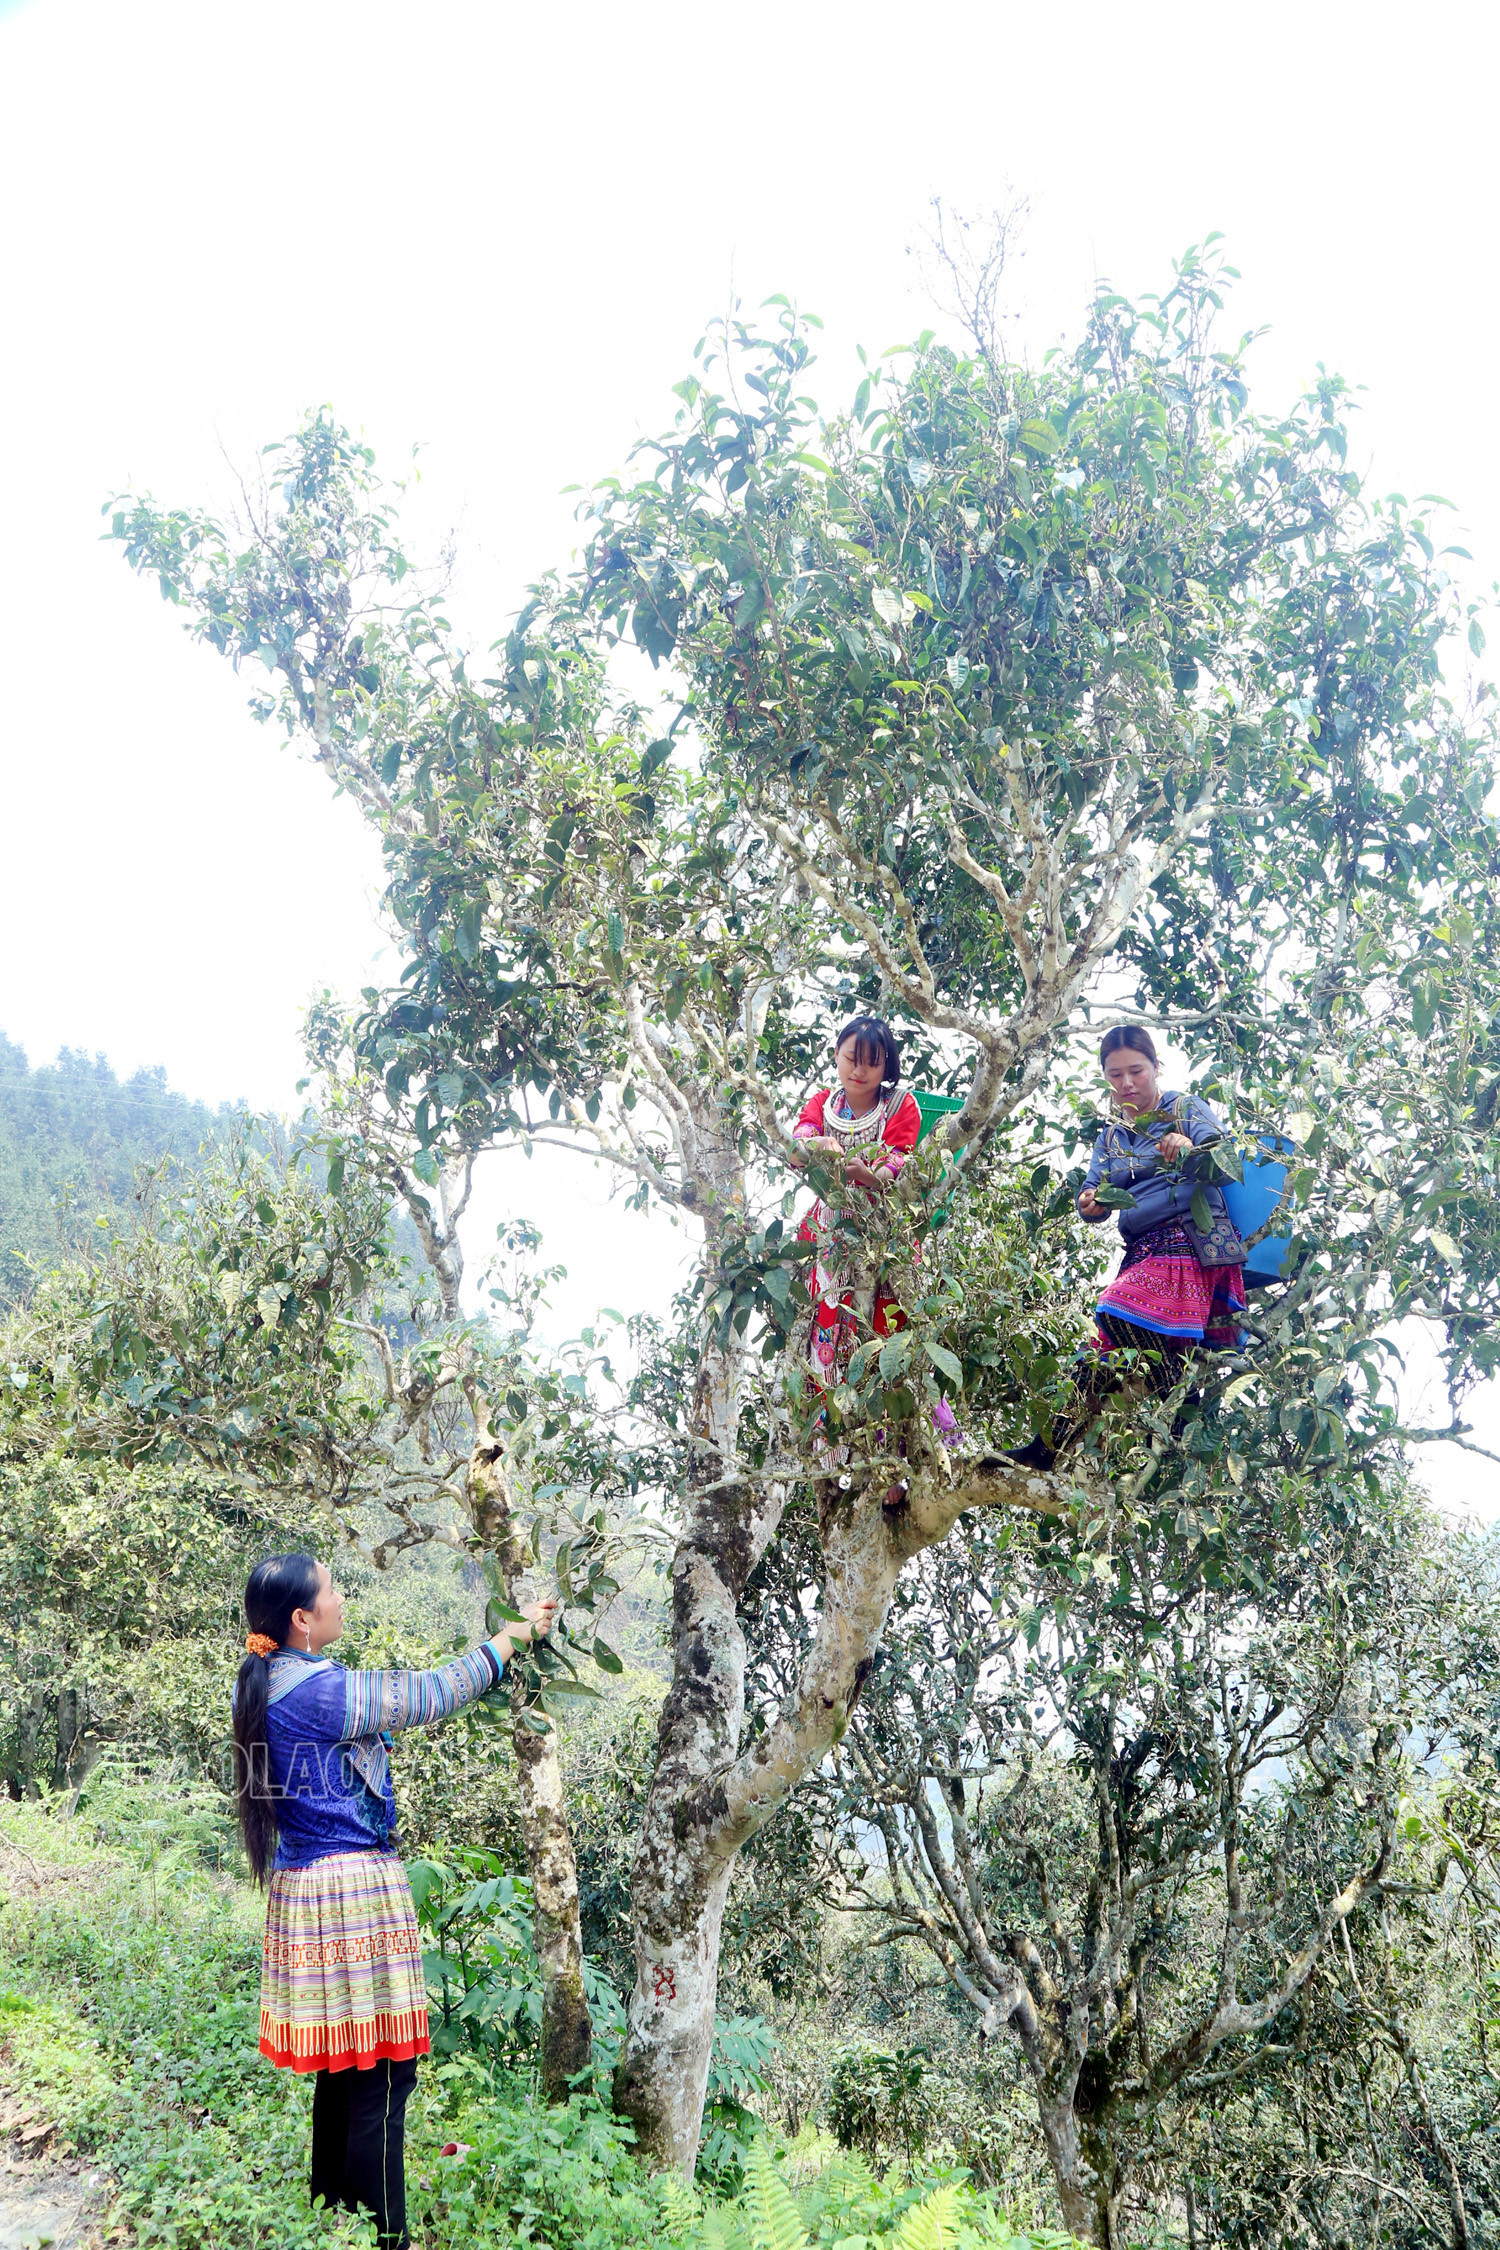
x=934 y=1108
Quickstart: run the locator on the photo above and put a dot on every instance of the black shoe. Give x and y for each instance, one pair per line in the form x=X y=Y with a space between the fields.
x=1037 y=1455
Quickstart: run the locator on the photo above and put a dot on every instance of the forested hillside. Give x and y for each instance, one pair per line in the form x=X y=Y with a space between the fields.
x=72 y=1136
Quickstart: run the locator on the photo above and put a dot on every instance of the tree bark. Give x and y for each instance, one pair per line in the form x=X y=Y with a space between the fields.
x=67 y=1737
x=680 y=1876
x=706 y=1800
x=1090 y=2207
x=28 y=1734
x=557 y=1933
x=556 y=1929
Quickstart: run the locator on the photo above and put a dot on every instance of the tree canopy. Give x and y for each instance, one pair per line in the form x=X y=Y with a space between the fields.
x=1012 y=701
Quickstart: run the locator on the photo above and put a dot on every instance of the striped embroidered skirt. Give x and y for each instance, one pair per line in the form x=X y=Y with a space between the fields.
x=341 y=1982
x=1162 y=1288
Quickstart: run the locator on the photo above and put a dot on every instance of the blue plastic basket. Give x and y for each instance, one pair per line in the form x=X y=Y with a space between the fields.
x=1250 y=1203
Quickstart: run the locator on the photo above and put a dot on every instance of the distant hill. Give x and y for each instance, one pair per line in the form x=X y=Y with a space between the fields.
x=72 y=1135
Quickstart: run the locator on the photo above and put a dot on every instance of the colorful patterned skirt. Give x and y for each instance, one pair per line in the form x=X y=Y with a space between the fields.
x=835 y=1332
x=341 y=1984
x=1162 y=1288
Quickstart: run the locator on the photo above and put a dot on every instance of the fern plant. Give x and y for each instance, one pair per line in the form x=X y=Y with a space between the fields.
x=773 y=2221
x=847 y=2209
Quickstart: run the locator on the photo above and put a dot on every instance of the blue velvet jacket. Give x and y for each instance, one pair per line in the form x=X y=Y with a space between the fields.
x=1163 y=1190
x=328 y=1731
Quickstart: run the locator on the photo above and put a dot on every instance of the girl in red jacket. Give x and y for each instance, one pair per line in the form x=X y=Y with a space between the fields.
x=867 y=1125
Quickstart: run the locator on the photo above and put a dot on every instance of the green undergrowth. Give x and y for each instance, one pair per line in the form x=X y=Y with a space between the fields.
x=130 y=2018
x=129 y=1978
x=845 y=2207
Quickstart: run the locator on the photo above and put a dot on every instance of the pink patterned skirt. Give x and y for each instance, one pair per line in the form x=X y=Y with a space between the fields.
x=1162 y=1288
x=341 y=1975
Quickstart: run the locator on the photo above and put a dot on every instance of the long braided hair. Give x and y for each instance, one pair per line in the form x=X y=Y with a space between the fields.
x=276 y=1587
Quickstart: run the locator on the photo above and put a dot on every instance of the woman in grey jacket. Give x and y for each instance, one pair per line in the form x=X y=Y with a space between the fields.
x=1179 y=1284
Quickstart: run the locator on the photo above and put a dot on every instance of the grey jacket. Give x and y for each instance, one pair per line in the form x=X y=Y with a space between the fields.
x=1163 y=1190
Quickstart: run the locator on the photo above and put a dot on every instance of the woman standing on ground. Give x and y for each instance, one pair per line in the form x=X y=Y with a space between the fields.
x=342 y=1991
x=1178 y=1285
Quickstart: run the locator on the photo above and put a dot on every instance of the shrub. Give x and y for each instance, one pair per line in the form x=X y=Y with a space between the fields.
x=566 y=2178
x=736 y=2072
x=483 y=1984
x=880 y=2101
x=485 y=1997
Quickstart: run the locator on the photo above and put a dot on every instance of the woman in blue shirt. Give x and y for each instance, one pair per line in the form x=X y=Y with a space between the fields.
x=342 y=1991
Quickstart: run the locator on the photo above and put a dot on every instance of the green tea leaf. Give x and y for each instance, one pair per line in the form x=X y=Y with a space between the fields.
x=894 y=1356
x=947 y=1363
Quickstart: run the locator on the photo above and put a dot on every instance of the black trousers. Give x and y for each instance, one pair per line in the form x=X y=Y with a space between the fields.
x=359 y=2143
x=1162 y=1365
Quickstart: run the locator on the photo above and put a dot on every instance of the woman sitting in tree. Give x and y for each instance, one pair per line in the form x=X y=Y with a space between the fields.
x=1179 y=1285
x=342 y=1991
x=868 y=1124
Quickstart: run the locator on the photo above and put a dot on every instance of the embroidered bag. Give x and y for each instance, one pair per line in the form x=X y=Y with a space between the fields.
x=1218 y=1244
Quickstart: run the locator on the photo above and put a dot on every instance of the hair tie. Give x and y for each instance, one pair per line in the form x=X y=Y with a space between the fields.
x=261 y=1644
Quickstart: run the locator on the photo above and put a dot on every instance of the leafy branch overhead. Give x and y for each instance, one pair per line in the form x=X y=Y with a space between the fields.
x=994 y=681
x=1008 y=702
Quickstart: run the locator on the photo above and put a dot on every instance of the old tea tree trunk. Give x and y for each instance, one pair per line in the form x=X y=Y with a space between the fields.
x=556 y=1929
x=707 y=1798
x=566 y=2033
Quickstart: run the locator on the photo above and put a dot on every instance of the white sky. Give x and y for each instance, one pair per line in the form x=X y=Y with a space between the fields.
x=499 y=231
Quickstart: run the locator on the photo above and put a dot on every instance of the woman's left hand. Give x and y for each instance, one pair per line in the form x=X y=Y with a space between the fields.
x=1174 y=1144
x=864 y=1176
x=538 y=1618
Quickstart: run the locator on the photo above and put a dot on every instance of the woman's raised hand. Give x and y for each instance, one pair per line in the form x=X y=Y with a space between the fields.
x=1089 y=1205
x=821 y=1144
x=1174 y=1144
x=537 y=1624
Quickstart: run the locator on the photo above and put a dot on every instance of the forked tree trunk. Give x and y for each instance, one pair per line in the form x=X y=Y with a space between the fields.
x=706 y=1800
x=557 y=1934
x=680 y=1876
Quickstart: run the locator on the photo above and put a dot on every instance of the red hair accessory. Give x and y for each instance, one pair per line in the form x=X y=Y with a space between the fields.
x=261 y=1644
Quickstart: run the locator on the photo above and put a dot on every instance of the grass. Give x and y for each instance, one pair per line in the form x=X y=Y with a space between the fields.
x=50 y=2060
x=129 y=2018
x=129 y=1989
